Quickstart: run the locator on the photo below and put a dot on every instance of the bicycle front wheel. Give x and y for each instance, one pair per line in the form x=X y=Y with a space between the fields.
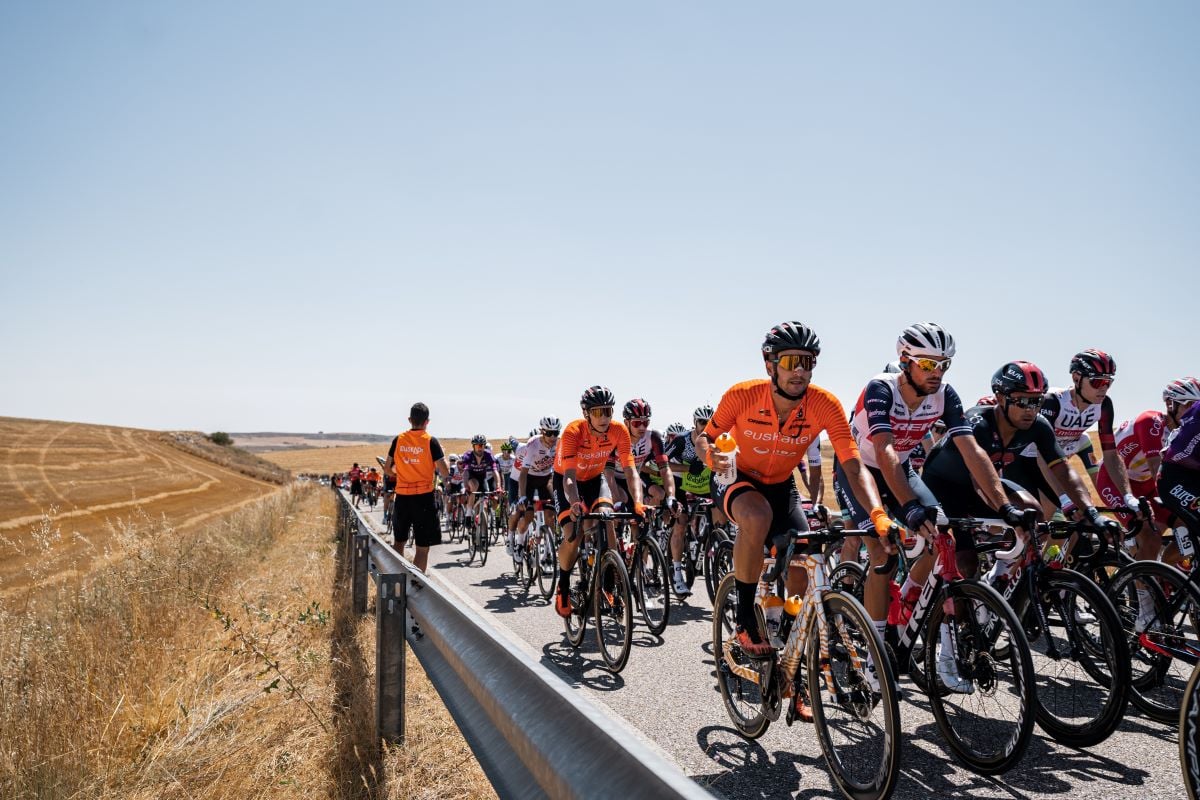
x=849 y=577
x=1159 y=609
x=483 y=542
x=857 y=716
x=612 y=603
x=547 y=563
x=1081 y=660
x=1189 y=736
x=738 y=676
x=712 y=577
x=650 y=577
x=981 y=689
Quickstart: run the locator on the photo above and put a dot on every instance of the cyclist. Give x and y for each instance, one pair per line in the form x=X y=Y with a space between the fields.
x=579 y=483
x=1179 y=478
x=648 y=449
x=695 y=479
x=1071 y=412
x=774 y=422
x=479 y=468
x=537 y=464
x=1139 y=443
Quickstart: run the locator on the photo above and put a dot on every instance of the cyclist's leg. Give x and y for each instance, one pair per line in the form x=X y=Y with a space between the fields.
x=745 y=505
x=787 y=513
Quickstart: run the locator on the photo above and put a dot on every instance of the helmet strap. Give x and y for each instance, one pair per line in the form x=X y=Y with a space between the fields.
x=779 y=390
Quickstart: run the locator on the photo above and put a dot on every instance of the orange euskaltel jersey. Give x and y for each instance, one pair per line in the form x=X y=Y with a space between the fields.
x=767 y=450
x=582 y=449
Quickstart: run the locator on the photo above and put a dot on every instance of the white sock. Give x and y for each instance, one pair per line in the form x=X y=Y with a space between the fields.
x=880 y=626
x=1145 y=602
x=947 y=645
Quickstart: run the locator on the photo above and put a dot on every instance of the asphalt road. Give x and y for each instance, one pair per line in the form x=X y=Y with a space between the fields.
x=668 y=692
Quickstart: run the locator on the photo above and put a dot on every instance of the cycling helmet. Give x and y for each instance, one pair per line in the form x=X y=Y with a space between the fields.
x=986 y=400
x=637 y=407
x=453 y=459
x=512 y=443
x=596 y=397
x=479 y=438
x=1092 y=362
x=1184 y=390
x=1019 y=376
x=675 y=429
x=892 y=367
x=790 y=336
x=702 y=414
x=925 y=339
x=507 y=447
x=548 y=424
x=535 y=432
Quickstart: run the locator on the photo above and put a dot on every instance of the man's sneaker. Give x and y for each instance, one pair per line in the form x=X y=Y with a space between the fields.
x=752 y=648
x=947 y=672
x=681 y=587
x=562 y=604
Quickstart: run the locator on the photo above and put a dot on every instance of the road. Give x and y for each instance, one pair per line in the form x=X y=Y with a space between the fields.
x=669 y=693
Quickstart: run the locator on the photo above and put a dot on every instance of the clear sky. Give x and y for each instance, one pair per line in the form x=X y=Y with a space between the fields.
x=305 y=216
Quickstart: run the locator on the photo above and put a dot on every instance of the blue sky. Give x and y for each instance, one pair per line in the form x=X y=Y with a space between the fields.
x=303 y=216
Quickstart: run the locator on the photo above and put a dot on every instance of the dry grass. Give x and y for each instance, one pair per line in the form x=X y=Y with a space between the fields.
x=327 y=460
x=216 y=665
x=233 y=458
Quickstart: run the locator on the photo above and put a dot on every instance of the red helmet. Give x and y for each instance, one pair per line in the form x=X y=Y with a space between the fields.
x=1019 y=376
x=637 y=407
x=1092 y=362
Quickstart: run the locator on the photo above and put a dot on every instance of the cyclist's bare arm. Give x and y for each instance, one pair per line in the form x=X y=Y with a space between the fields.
x=863 y=486
x=1115 y=466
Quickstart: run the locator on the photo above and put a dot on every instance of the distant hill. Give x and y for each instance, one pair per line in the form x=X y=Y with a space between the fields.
x=271 y=441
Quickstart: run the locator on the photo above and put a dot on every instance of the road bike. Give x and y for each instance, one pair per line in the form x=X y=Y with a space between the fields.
x=600 y=589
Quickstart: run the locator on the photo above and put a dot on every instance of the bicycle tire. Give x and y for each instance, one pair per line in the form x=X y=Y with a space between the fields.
x=750 y=718
x=653 y=588
x=576 y=622
x=613 y=616
x=851 y=639
x=471 y=546
x=1098 y=649
x=1189 y=736
x=1157 y=681
x=712 y=578
x=484 y=546
x=1010 y=740
x=849 y=577
x=531 y=566
x=548 y=563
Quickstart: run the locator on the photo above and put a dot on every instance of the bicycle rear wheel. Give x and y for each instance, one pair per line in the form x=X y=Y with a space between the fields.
x=849 y=577
x=1157 y=681
x=547 y=563
x=650 y=577
x=744 y=700
x=580 y=592
x=530 y=559
x=1083 y=685
x=1189 y=736
x=857 y=725
x=613 y=605
x=989 y=728
x=712 y=577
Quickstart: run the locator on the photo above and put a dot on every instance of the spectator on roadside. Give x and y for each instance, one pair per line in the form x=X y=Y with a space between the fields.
x=412 y=459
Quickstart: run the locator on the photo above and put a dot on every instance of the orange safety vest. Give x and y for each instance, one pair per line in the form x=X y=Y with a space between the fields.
x=414 y=463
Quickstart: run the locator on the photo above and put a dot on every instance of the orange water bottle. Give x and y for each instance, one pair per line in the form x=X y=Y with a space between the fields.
x=726 y=446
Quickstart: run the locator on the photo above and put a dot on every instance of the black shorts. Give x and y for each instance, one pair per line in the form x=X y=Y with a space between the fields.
x=355 y=488
x=513 y=486
x=539 y=484
x=593 y=492
x=486 y=482
x=623 y=485
x=958 y=501
x=418 y=513
x=787 y=513
x=1027 y=473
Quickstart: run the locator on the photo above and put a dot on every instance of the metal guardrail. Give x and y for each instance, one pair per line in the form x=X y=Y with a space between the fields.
x=532 y=735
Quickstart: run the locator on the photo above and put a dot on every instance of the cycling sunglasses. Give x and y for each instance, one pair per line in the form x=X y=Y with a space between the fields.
x=932 y=364
x=600 y=413
x=793 y=361
x=1100 y=381
x=1026 y=402
x=641 y=422
x=551 y=434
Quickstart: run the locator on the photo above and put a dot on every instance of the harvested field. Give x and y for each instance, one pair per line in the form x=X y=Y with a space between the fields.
x=325 y=460
x=63 y=485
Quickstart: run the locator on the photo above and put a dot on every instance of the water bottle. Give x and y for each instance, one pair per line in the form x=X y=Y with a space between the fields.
x=772 y=606
x=726 y=446
x=791 y=607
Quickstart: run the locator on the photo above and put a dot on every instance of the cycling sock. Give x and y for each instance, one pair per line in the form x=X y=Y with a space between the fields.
x=880 y=626
x=564 y=581
x=947 y=651
x=745 y=608
x=678 y=565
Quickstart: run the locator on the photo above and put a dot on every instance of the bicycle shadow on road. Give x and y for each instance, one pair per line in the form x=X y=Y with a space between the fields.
x=748 y=770
x=580 y=667
x=507 y=597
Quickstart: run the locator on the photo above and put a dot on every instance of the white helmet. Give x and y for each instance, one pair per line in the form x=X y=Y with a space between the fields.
x=550 y=424
x=925 y=340
x=1184 y=390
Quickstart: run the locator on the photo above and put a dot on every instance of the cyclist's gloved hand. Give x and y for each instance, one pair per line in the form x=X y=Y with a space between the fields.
x=639 y=511
x=1095 y=520
x=670 y=503
x=1132 y=504
x=577 y=510
x=915 y=515
x=521 y=501
x=1011 y=516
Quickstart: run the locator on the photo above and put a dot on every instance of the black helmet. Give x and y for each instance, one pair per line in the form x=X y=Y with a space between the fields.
x=1092 y=362
x=637 y=407
x=1019 y=376
x=479 y=438
x=596 y=397
x=790 y=336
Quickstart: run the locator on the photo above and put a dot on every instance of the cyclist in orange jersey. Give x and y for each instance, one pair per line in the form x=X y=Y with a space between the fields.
x=774 y=422
x=579 y=484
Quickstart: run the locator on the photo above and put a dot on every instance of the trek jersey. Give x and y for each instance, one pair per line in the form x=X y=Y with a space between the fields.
x=945 y=463
x=477 y=466
x=582 y=449
x=1183 y=448
x=414 y=454
x=770 y=448
x=1137 y=440
x=539 y=457
x=1071 y=424
x=881 y=409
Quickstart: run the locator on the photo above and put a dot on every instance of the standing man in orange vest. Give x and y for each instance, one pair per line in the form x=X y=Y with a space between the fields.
x=412 y=459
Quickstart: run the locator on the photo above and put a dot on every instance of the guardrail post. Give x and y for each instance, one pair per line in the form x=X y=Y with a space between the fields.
x=390 y=613
x=359 y=578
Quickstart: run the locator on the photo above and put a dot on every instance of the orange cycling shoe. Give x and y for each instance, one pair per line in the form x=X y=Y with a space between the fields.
x=562 y=604
x=752 y=648
x=800 y=708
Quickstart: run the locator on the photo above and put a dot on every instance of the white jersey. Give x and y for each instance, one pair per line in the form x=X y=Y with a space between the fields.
x=813 y=457
x=1071 y=424
x=538 y=458
x=505 y=463
x=518 y=461
x=881 y=409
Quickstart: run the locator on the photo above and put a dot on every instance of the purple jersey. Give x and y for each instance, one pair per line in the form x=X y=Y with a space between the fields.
x=1184 y=448
x=474 y=465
